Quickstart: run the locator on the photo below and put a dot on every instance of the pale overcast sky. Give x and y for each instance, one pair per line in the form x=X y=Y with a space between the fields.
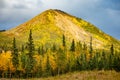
x=104 y=14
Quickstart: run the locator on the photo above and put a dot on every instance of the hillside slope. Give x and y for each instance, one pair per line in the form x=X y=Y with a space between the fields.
x=49 y=26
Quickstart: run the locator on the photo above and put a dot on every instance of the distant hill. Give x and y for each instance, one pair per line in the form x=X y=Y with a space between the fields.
x=49 y=26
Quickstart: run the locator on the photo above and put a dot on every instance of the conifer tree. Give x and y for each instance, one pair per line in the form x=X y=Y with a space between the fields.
x=64 y=43
x=30 y=45
x=91 y=48
x=72 y=46
x=31 y=60
x=54 y=48
x=112 y=49
x=15 y=54
x=42 y=50
x=22 y=48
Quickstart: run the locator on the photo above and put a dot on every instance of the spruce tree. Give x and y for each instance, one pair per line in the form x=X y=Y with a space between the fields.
x=42 y=50
x=15 y=54
x=54 y=48
x=30 y=45
x=22 y=49
x=91 y=48
x=112 y=49
x=72 y=46
x=64 y=43
x=111 y=58
x=31 y=60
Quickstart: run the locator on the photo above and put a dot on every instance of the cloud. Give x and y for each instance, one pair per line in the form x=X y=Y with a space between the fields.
x=19 y=3
x=102 y=13
x=18 y=11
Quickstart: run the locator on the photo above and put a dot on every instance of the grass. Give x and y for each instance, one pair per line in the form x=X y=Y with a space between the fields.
x=83 y=75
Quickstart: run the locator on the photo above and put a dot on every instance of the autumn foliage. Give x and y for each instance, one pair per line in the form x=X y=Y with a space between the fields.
x=41 y=61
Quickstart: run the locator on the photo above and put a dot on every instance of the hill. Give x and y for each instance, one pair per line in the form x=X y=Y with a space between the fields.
x=49 y=26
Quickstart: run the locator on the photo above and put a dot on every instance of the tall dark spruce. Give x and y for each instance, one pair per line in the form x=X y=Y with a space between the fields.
x=112 y=49
x=72 y=46
x=31 y=49
x=30 y=45
x=15 y=54
x=64 y=43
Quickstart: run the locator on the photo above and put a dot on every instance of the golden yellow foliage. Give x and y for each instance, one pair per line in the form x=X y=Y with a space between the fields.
x=5 y=61
x=44 y=62
x=53 y=63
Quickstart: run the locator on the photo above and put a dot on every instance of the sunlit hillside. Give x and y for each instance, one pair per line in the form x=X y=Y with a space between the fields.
x=49 y=26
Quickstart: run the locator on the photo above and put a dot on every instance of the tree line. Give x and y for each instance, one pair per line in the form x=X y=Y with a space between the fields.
x=29 y=62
